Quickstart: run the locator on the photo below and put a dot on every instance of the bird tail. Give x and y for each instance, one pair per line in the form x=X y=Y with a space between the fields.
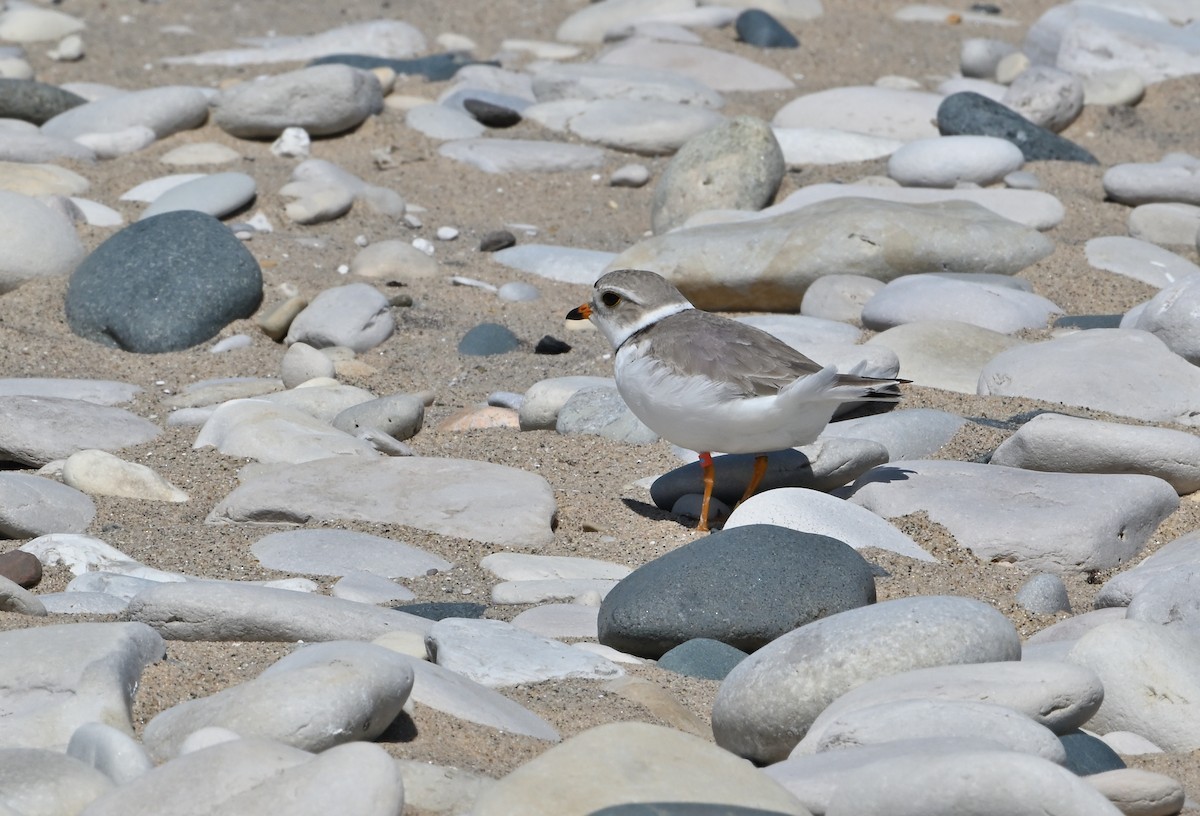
x=856 y=388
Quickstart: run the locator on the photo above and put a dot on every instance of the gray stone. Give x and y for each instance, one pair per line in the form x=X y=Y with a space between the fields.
x=1132 y=656
x=768 y=263
x=57 y=678
x=593 y=22
x=323 y=99
x=969 y=113
x=1170 y=224
x=1169 y=600
x=1143 y=378
x=217 y=195
x=702 y=657
x=599 y=410
x=946 y=161
x=164 y=284
x=394 y=259
x=400 y=416
x=1088 y=755
x=989 y=510
x=879 y=112
x=164 y=110
x=35 y=430
x=34 y=102
x=823 y=465
x=1059 y=443
x=1171 y=317
x=1180 y=553
x=443 y=123
x=369 y=588
x=1165 y=180
x=301 y=363
x=719 y=70
x=36 y=781
x=356 y=315
x=526 y=567
x=494 y=653
x=98 y=392
x=646 y=128
x=545 y=398
x=907 y=433
x=630 y=762
x=1119 y=86
x=925 y=297
x=1060 y=696
x=469 y=499
x=552 y=589
x=38 y=242
x=769 y=700
x=1048 y=97
x=342 y=552
x=1140 y=260
x=487 y=339
x=270 y=433
x=382 y=38
x=109 y=750
x=737 y=164
x=31 y=506
x=315 y=698
x=559 y=620
x=744 y=587
x=231 y=611
x=589 y=80
x=839 y=297
x=556 y=263
x=1137 y=792
x=1044 y=594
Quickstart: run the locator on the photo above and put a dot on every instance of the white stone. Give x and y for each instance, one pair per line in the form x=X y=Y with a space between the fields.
x=202 y=153
x=111 y=144
x=563 y=264
x=951 y=160
x=545 y=398
x=1179 y=554
x=292 y=143
x=100 y=473
x=719 y=70
x=356 y=315
x=929 y=297
x=301 y=363
x=560 y=621
x=376 y=38
x=261 y=430
x=218 y=195
x=1139 y=260
x=1048 y=97
x=1169 y=224
x=879 y=112
x=803 y=146
x=528 y=567
x=164 y=110
x=322 y=99
x=550 y=589
x=37 y=242
x=28 y=24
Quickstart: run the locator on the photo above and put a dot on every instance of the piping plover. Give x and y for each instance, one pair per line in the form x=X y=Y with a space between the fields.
x=708 y=383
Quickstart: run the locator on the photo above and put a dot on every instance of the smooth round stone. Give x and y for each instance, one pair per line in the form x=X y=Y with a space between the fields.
x=1059 y=443
x=487 y=339
x=757 y=27
x=646 y=128
x=952 y=784
x=164 y=110
x=1044 y=594
x=16 y=599
x=1048 y=97
x=591 y=80
x=164 y=284
x=907 y=433
x=1087 y=755
x=1161 y=181
x=1169 y=600
x=34 y=102
x=879 y=112
x=839 y=297
x=972 y=114
x=37 y=242
x=341 y=552
x=200 y=153
x=497 y=240
x=1120 y=86
x=492 y=115
x=1139 y=260
x=1140 y=793
x=324 y=100
x=951 y=160
x=400 y=416
x=21 y=568
x=744 y=575
x=301 y=363
x=559 y=620
x=32 y=506
x=630 y=175
x=109 y=750
x=356 y=316
x=600 y=410
x=1170 y=224
x=41 y=179
x=735 y=165
x=39 y=429
x=770 y=699
x=31 y=24
x=217 y=195
x=36 y=781
x=979 y=56
x=394 y=259
x=630 y=762
x=917 y=298
x=702 y=657
x=542 y=402
x=111 y=144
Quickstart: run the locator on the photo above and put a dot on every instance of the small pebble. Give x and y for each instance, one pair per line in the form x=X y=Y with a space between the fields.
x=495 y=241
x=447 y=233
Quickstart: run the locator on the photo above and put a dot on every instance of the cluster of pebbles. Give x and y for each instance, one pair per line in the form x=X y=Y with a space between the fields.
x=311 y=495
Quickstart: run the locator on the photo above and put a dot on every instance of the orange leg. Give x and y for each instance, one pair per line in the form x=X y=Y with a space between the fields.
x=760 y=470
x=706 y=464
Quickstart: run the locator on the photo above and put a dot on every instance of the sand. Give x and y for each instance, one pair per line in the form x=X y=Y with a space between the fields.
x=601 y=513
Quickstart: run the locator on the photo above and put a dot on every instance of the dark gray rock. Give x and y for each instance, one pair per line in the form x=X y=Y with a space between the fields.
x=34 y=101
x=440 y=610
x=22 y=568
x=1087 y=755
x=164 y=284
x=972 y=114
x=1088 y=322
x=434 y=67
x=756 y=27
x=744 y=587
x=702 y=657
x=496 y=241
x=487 y=339
x=491 y=115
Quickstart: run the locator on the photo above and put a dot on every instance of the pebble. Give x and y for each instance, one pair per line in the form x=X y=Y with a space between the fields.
x=822 y=465
x=21 y=568
x=32 y=101
x=757 y=27
x=1131 y=655
x=979 y=56
x=400 y=416
x=702 y=657
x=1137 y=792
x=301 y=363
x=41 y=179
x=1060 y=443
x=1048 y=97
x=1120 y=86
x=323 y=99
x=200 y=153
x=488 y=339
x=769 y=700
x=1010 y=67
x=718 y=70
x=1170 y=224
x=96 y=667
x=217 y=195
x=590 y=80
x=491 y=503
x=490 y=114
x=497 y=654
x=740 y=575
x=163 y=110
x=559 y=620
x=366 y=587
x=926 y=297
x=493 y=155
x=132 y=293
x=443 y=123
x=736 y=164
x=354 y=689
x=109 y=750
x=355 y=315
x=496 y=241
x=99 y=473
x=839 y=297
x=987 y=509
x=292 y=143
x=37 y=243
x=880 y=112
x=1139 y=260
x=969 y=113
x=39 y=429
x=600 y=410
x=813 y=512
x=272 y=433
x=632 y=762
x=907 y=433
x=778 y=256
x=542 y=402
x=1044 y=594
x=950 y=160
x=1132 y=363
x=15 y=598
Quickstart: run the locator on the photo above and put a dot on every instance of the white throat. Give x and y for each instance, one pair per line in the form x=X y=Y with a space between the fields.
x=617 y=335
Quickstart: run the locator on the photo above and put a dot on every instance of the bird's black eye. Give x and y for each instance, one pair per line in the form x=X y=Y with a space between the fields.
x=610 y=299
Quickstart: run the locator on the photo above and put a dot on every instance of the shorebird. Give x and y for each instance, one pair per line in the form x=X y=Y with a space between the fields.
x=709 y=383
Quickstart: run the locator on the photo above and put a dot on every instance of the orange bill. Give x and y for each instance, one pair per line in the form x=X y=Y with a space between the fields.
x=580 y=312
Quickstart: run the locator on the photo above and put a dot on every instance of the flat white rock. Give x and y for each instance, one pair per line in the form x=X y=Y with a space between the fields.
x=528 y=567
x=951 y=160
x=880 y=112
x=376 y=38
x=522 y=155
x=342 y=552
x=719 y=70
x=218 y=195
x=261 y=430
x=565 y=264
x=825 y=145
x=925 y=297
x=1140 y=260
